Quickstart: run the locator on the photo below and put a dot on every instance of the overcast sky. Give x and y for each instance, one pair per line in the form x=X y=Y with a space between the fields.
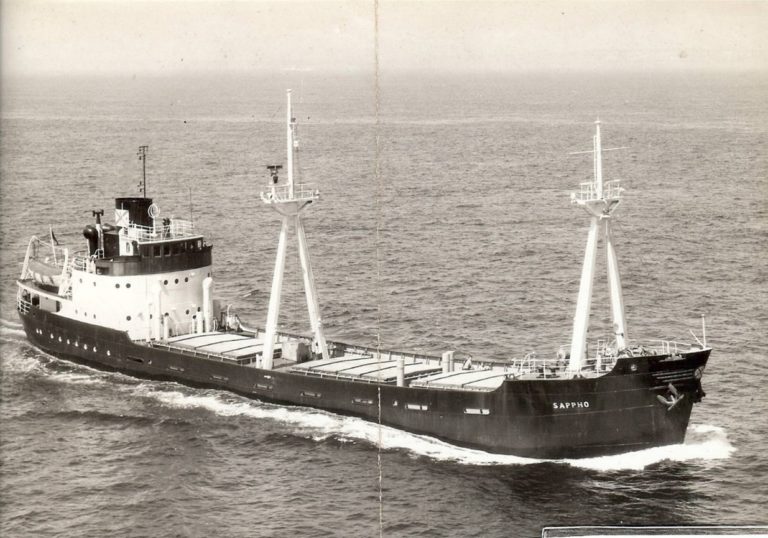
x=111 y=36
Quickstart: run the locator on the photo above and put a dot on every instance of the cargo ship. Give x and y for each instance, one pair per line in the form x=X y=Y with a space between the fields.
x=138 y=298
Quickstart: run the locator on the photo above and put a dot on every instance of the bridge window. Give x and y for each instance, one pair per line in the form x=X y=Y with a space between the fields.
x=166 y=250
x=175 y=249
x=156 y=251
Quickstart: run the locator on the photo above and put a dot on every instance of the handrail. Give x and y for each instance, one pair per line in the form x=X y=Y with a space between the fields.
x=176 y=229
x=588 y=191
x=23 y=305
x=282 y=193
x=81 y=261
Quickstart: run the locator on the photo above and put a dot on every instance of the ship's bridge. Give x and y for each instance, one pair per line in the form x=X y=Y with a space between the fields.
x=141 y=242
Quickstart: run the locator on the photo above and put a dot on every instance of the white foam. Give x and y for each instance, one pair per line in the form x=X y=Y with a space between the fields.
x=77 y=378
x=6 y=330
x=10 y=323
x=705 y=442
x=14 y=362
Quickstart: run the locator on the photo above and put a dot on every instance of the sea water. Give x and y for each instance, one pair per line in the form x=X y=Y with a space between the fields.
x=444 y=223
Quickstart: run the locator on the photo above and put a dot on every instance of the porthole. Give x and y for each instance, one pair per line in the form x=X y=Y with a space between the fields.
x=108 y=353
x=85 y=347
x=59 y=338
x=68 y=341
x=186 y=279
x=128 y=285
x=127 y=318
x=77 y=344
x=51 y=336
x=165 y=282
x=187 y=311
x=94 y=316
x=176 y=281
x=117 y=286
x=94 y=282
x=94 y=349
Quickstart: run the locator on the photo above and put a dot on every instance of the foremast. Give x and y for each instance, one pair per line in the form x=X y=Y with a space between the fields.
x=599 y=199
x=289 y=200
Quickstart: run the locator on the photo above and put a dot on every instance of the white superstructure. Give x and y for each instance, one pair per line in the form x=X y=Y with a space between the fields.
x=147 y=276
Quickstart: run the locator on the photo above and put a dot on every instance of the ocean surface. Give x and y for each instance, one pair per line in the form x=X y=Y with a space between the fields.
x=446 y=224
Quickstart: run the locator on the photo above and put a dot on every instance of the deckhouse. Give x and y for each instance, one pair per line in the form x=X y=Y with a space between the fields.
x=147 y=275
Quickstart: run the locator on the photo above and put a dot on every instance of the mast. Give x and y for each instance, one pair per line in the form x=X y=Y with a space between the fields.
x=289 y=200
x=599 y=200
x=289 y=123
x=143 y=150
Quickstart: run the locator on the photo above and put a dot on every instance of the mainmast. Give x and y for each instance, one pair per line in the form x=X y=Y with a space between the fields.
x=142 y=153
x=599 y=199
x=288 y=200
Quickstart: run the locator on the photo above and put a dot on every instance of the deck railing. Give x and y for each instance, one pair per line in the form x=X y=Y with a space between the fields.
x=588 y=191
x=23 y=305
x=81 y=261
x=177 y=229
x=282 y=193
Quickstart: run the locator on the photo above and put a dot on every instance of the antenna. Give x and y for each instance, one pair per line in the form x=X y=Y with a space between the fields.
x=191 y=214
x=142 y=153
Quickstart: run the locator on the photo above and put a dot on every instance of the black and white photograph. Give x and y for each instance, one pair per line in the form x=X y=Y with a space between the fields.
x=388 y=268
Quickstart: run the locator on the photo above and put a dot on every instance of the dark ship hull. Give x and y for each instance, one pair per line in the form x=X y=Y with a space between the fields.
x=642 y=402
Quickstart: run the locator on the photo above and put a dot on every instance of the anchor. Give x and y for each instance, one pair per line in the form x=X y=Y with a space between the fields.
x=671 y=398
